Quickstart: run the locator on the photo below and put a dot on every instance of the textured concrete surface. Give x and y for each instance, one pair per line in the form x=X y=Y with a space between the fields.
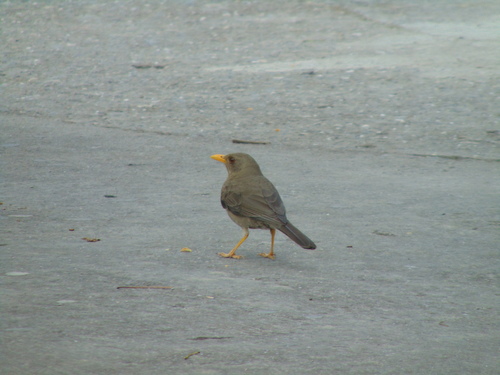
x=382 y=119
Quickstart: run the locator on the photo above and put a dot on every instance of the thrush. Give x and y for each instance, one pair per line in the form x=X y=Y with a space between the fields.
x=252 y=202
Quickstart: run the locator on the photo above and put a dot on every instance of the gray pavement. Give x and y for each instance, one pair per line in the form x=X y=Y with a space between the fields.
x=383 y=126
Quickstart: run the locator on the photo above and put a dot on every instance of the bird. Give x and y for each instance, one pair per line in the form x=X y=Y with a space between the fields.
x=252 y=202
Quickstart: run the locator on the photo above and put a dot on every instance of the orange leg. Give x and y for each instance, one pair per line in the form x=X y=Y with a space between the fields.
x=271 y=253
x=231 y=253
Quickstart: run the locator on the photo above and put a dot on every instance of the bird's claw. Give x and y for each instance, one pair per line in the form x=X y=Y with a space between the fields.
x=270 y=256
x=224 y=255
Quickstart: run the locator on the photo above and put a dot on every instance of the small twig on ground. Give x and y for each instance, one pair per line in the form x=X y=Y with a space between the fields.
x=191 y=354
x=250 y=142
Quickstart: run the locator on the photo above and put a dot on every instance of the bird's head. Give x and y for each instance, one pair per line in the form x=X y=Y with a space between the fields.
x=239 y=163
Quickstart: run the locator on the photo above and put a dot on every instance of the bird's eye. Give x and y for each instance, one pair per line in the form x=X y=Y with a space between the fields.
x=231 y=159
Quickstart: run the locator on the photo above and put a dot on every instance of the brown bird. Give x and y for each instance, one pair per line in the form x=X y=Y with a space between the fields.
x=252 y=201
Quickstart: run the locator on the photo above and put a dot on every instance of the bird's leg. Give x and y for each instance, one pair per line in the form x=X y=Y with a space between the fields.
x=271 y=253
x=231 y=253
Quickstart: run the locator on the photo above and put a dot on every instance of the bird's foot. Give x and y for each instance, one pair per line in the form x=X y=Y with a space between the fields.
x=270 y=256
x=234 y=256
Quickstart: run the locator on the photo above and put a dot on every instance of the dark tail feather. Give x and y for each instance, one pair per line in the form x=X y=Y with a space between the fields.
x=297 y=236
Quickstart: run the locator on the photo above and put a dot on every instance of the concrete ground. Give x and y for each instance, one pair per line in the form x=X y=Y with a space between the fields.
x=382 y=119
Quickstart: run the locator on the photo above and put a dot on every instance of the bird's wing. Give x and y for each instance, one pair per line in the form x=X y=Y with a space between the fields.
x=260 y=200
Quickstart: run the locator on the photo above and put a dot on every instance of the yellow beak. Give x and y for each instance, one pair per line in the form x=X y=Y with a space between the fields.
x=219 y=157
